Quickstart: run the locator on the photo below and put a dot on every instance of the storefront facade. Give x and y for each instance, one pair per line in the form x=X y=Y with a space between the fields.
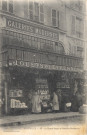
x=33 y=57
x=28 y=65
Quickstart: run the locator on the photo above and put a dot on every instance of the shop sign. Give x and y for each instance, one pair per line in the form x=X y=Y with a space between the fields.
x=42 y=66
x=28 y=28
x=15 y=93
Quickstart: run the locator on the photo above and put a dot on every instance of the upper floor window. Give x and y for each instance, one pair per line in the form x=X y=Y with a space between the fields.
x=58 y=19
x=72 y=24
x=41 y=13
x=36 y=11
x=11 y=6
x=77 y=26
x=7 y=5
x=31 y=10
x=77 y=5
x=54 y=17
x=4 y=5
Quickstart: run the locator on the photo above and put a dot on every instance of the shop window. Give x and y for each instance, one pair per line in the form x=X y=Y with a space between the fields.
x=15 y=34
x=20 y=35
x=11 y=33
x=63 y=61
x=4 y=56
x=4 y=32
x=7 y=32
x=53 y=46
x=58 y=61
x=25 y=55
x=5 y=40
x=29 y=56
x=40 y=31
x=23 y=36
x=4 y=5
x=43 y=32
x=33 y=42
x=30 y=37
x=27 y=37
x=75 y=63
x=67 y=61
x=22 y=55
x=56 y=47
x=80 y=51
x=19 y=55
x=12 y=53
x=36 y=41
x=29 y=42
x=11 y=6
x=39 y=44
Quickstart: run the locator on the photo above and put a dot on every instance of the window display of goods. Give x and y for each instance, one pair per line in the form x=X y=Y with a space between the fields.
x=62 y=85
x=17 y=104
x=45 y=97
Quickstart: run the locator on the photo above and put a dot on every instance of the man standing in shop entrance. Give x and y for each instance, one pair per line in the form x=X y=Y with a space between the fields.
x=36 y=103
x=55 y=102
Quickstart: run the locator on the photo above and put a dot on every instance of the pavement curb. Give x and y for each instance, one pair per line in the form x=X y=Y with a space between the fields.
x=35 y=121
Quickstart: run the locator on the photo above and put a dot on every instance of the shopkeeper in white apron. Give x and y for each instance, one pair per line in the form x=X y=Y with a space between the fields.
x=36 y=103
x=55 y=102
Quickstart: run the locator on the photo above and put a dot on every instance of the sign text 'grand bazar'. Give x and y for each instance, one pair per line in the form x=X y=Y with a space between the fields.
x=41 y=66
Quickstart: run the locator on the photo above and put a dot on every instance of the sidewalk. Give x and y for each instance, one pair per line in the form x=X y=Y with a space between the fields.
x=32 y=118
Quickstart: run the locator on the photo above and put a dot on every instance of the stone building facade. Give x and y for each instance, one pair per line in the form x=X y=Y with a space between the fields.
x=41 y=47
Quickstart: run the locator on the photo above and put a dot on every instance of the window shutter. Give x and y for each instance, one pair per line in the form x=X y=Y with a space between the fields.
x=62 y=20
x=41 y=13
x=58 y=18
x=54 y=16
x=36 y=11
x=11 y=6
x=30 y=10
x=82 y=27
x=73 y=25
